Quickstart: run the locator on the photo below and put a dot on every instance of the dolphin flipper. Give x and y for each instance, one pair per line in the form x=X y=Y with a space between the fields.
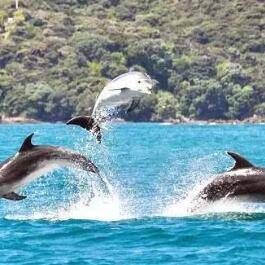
x=14 y=196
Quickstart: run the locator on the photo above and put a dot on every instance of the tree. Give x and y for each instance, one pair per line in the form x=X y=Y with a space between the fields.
x=167 y=106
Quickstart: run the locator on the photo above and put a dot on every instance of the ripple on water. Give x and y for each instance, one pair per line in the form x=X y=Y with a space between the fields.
x=147 y=219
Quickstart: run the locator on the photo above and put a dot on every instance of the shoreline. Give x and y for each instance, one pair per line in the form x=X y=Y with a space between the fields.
x=181 y=120
x=17 y=120
x=250 y=120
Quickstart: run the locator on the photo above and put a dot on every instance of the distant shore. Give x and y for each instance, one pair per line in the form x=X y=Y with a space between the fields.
x=181 y=120
x=10 y=120
x=250 y=120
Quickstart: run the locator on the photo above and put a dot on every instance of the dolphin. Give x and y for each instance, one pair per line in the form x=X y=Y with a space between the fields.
x=244 y=181
x=121 y=94
x=32 y=161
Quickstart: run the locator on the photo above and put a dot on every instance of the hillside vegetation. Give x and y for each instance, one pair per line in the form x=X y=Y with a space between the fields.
x=208 y=56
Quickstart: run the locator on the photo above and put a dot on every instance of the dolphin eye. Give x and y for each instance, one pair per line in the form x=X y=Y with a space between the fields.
x=139 y=81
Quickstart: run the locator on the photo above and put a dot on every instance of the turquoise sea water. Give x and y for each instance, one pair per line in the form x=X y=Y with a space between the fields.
x=153 y=170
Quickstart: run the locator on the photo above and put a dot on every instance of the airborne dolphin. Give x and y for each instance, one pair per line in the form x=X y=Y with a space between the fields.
x=243 y=181
x=32 y=161
x=122 y=93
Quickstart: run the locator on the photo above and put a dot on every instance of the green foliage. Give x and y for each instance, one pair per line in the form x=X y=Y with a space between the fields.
x=3 y=17
x=203 y=99
x=38 y=101
x=167 y=105
x=95 y=68
x=208 y=56
x=241 y=102
x=19 y=15
x=260 y=109
x=224 y=68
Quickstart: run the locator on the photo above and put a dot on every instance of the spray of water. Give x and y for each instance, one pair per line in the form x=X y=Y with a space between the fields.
x=179 y=184
x=201 y=172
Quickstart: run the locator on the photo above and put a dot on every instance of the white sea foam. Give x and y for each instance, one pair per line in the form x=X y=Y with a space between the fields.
x=102 y=209
x=190 y=207
x=182 y=208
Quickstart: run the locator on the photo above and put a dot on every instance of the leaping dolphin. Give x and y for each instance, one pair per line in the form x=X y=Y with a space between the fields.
x=243 y=181
x=122 y=93
x=32 y=161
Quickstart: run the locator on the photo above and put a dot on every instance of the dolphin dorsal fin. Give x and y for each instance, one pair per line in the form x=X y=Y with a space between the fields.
x=241 y=162
x=27 y=144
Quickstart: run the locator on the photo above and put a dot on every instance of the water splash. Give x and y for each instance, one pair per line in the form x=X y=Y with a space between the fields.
x=180 y=180
x=202 y=172
x=99 y=208
x=182 y=208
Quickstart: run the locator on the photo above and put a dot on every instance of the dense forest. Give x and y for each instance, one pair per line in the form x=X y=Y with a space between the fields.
x=207 y=55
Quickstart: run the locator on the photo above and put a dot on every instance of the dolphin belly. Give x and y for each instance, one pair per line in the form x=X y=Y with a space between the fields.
x=40 y=170
x=116 y=101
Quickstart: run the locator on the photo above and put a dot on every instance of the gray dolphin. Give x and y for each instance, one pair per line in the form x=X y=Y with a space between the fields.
x=122 y=93
x=243 y=181
x=32 y=161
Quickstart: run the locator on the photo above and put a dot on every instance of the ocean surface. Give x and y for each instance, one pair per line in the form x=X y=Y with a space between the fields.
x=153 y=172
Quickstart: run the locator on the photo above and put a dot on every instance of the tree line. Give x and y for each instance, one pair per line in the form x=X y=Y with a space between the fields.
x=208 y=56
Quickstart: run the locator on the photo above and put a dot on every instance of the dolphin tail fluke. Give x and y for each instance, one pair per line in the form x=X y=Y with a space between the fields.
x=88 y=123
